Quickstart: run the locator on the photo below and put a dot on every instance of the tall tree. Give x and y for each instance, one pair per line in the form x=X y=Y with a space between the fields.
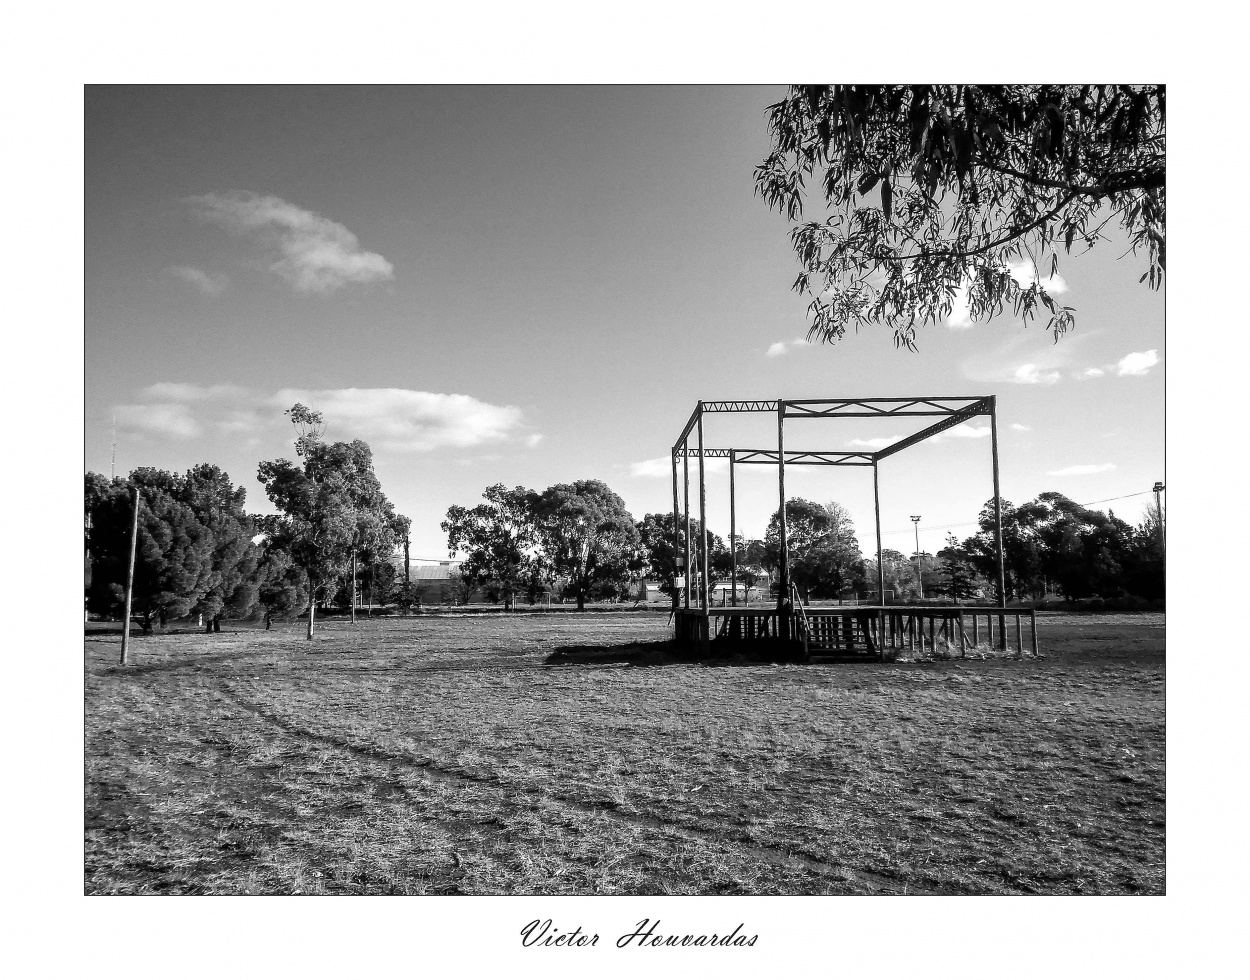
x=174 y=552
x=498 y=539
x=586 y=535
x=824 y=552
x=939 y=191
x=218 y=505
x=663 y=541
x=318 y=524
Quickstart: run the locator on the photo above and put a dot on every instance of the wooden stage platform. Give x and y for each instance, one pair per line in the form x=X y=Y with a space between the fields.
x=850 y=633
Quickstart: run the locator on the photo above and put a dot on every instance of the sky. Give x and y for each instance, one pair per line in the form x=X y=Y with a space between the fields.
x=533 y=285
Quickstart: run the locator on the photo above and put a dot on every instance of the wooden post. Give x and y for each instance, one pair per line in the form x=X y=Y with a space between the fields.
x=998 y=524
x=407 y=579
x=685 y=476
x=733 y=537
x=704 y=570
x=976 y=630
x=783 y=585
x=963 y=637
x=352 y=590
x=1033 y=628
x=1019 y=637
x=130 y=580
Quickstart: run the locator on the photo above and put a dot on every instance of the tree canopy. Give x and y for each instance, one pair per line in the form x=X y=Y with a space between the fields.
x=825 y=560
x=588 y=537
x=498 y=539
x=939 y=191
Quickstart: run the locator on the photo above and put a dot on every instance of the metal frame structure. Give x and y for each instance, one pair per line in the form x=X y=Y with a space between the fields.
x=949 y=412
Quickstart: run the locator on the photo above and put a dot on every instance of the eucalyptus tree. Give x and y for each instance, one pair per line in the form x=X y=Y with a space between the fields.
x=929 y=192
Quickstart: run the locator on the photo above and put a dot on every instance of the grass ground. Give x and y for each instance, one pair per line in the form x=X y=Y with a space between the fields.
x=452 y=755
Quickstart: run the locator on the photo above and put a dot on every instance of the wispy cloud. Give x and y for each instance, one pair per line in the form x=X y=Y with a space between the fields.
x=391 y=419
x=171 y=420
x=1088 y=373
x=776 y=350
x=1082 y=470
x=1021 y=428
x=312 y=253
x=968 y=431
x=400 y=419
x=1031 y=374
x=1137 y=363
x=208 y=283
x=878 y=443
x=662 y=466
x=178 y=391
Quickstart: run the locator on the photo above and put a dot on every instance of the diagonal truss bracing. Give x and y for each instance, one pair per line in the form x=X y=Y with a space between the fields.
x=821 y=408
x=980 y=407
x=793 y=456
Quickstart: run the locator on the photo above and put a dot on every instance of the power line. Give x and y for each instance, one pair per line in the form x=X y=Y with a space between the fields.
x=944 y=527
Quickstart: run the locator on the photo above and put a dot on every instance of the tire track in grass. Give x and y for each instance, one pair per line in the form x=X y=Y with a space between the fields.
x=867 y=882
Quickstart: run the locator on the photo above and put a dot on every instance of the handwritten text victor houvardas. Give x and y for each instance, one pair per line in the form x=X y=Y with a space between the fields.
x=542 y=932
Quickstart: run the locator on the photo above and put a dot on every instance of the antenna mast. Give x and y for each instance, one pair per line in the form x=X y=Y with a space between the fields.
x=113 y=458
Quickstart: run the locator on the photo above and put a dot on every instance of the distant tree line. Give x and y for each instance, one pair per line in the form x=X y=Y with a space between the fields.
x=198 y=553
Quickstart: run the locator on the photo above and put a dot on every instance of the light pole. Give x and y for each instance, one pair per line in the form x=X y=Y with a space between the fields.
x=1158 y=488
x=915 y=520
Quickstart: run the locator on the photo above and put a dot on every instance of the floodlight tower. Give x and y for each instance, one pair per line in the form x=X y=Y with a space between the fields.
x=915 y=520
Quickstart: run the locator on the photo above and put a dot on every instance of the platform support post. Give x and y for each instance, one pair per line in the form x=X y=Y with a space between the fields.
x=783 y=585
x=998 y=525
x=733 y=537
x=685 y=475
x=876 y=505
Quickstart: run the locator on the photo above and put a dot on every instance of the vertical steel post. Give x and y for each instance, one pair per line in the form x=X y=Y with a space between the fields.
x=733 y=537
x=876 y=504
x=685 y=476
x=783 y=562
x=998 y=524
x=676 y=531
x=130 y=580
x=707 y=583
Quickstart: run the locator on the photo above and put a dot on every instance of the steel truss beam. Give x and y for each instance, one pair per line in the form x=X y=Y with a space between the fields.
x=821 y=408
x=739 y=406
x=793 y=456
x=980 y=407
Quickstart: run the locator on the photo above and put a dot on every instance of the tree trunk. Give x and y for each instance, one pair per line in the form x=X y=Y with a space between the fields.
x=581 y=602
x=208 y=626
x=312 y=607
x=216 y=624
x=352 y=590
x=268 y=622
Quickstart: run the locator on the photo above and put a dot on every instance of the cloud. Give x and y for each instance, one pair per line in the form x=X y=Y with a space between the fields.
x=1021 y=428
x=1030 y=374
x=960 y=318
x=1137 y=363
x=879 y=443
x=1089 y=373
x=391 y=419
x=209 y=283
x=660 y=466
x=1025 y=274
x=776 y=350
x=968 y=431
x=312 y=253
x=169 y=419
x=1082 y=470
x=403 y=420
x=178 y=391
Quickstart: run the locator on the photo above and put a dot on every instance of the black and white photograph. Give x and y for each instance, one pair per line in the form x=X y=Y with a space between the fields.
x=641 y=503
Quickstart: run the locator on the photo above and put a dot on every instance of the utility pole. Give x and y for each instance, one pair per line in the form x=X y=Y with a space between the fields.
x=407 y=580
x=915 y=520
x=1158 y=488
x=130 y=579
x=113 y=458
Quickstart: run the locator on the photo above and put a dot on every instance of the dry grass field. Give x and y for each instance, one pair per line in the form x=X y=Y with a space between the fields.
x=443 y=755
